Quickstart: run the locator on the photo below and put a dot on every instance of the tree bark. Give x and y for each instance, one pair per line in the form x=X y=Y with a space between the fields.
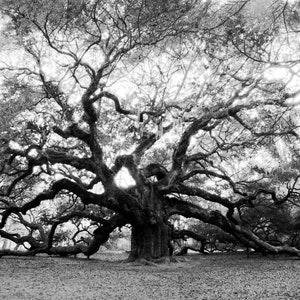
x=150 y=242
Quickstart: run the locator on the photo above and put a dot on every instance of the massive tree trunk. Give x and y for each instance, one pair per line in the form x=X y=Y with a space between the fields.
x=150 y=239
x=150 y=242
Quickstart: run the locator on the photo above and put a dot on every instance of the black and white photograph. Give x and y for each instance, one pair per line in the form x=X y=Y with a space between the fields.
x=149 y=149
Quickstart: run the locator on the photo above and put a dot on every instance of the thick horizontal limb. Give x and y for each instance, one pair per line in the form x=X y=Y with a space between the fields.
x=243 y=234
x=118 y=200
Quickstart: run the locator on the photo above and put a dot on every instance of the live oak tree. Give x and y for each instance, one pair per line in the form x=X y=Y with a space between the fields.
x=180 y=94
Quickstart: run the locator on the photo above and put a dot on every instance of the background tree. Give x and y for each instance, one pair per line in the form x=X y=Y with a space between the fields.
x=180 y=94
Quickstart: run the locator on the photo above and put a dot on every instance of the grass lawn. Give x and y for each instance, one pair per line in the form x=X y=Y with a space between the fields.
x=216 y=276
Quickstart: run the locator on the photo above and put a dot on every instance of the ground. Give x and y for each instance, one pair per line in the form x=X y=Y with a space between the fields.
x=216 y=276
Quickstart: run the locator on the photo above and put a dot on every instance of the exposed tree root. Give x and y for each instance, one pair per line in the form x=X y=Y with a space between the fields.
x=151 y=261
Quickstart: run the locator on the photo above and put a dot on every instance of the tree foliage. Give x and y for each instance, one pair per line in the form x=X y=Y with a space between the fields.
x=187 y=97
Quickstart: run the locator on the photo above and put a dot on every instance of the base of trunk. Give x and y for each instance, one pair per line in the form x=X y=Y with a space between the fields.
x=150 y=242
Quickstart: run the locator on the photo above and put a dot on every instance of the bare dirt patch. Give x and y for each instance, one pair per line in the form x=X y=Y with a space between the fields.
x=217 y=276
